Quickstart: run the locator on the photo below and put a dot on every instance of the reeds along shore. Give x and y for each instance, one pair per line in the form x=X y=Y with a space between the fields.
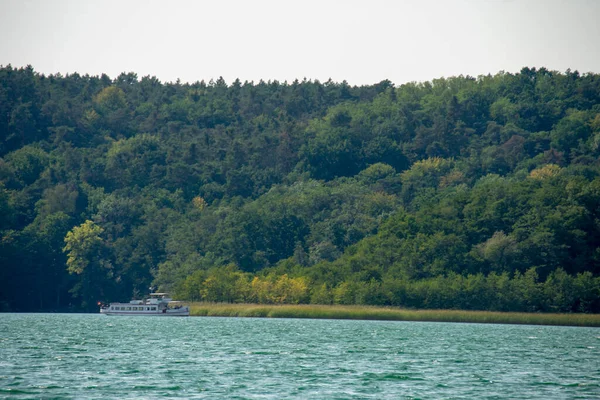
x=389 y=314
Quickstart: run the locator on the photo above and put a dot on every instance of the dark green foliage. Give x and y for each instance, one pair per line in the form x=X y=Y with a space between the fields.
x=471 y=193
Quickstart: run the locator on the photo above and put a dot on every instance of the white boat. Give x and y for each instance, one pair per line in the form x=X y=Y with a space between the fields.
x=157 y=304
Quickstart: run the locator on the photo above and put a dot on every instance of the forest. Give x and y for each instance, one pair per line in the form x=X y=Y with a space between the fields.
x=475 y=193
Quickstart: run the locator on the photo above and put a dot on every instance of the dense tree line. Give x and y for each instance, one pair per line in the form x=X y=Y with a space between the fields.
x=473 y=193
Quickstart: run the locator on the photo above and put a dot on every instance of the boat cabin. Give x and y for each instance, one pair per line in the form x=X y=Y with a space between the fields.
x=155 y=304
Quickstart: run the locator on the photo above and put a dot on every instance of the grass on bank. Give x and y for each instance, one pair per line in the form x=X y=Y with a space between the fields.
x=388 y=314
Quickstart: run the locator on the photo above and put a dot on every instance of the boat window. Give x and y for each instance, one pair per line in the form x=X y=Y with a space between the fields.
x=128 y=308
x=153 y=308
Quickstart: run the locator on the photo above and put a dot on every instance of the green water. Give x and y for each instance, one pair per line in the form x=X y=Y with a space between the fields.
x=94 y=356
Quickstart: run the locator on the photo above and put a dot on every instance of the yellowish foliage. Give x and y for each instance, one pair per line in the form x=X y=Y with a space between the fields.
x=595 y=123
x=283 y=290
x=79 y=243
x=111 y=98
x=90 y=117
x=432 y=163
x=451 y=179
x=199 y=203
x=545 y=172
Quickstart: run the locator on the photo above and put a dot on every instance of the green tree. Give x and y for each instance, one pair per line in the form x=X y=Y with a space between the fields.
x=86 y=258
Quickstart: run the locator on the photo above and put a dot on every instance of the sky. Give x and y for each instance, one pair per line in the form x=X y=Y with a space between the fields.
x=362 y=42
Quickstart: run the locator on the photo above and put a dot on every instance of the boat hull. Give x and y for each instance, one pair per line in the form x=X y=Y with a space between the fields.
x=158 y=304
x=168 y=313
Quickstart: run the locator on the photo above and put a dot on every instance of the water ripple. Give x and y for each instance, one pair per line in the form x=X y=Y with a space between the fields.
x=94 y=356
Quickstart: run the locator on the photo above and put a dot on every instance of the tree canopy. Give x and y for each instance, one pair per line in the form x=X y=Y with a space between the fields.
x=463 y=192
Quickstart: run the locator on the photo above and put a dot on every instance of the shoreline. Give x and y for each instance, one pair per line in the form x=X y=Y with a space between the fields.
x=389 y=314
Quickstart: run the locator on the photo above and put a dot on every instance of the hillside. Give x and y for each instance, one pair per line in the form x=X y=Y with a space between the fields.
x=471 y=193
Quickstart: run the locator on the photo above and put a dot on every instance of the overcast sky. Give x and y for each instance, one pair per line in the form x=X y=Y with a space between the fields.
x=362 y=42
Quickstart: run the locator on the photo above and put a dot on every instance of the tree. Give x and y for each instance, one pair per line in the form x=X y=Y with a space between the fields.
x=434 y=194
x=86 y=258
x=500 y=251
x=28 y=163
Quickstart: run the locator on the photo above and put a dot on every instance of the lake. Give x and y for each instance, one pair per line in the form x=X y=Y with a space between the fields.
x=90 y=356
